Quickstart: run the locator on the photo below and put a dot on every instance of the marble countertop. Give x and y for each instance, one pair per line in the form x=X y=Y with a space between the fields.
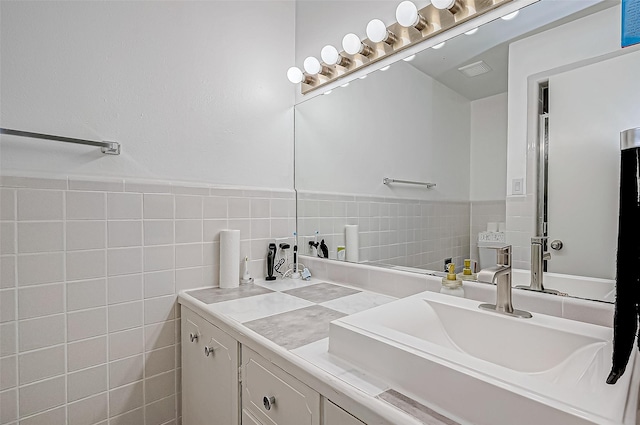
x=294 y=315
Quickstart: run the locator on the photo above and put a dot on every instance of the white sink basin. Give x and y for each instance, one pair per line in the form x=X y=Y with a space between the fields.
x=483 y=368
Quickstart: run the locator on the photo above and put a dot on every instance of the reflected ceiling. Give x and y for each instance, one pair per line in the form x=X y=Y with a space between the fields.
x=493 y=41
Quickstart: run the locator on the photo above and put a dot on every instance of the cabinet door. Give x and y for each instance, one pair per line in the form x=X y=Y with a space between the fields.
x=334 y=415
x=210 y=386
x=275 y=397
x=248 y=419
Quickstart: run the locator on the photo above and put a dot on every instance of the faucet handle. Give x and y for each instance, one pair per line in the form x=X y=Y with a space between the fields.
x=503 y=254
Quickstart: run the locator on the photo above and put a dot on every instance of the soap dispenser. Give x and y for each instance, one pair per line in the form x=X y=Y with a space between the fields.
x=467 y=273
x=451 y=285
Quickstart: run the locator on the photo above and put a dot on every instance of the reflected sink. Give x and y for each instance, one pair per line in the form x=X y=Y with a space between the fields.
x=590 y=288
x=480 y=367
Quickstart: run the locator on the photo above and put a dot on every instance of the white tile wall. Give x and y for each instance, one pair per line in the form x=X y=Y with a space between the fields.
x=89 y=272
x=403 y=232
x=483 y=212
x=40 y=364
x=40 y=300
x=41 y=396
x=521 y=212
x=520 y=228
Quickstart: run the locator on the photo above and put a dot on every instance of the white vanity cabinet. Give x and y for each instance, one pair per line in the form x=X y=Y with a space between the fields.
x=271 y=396
x=227 y=383
x=210 y=384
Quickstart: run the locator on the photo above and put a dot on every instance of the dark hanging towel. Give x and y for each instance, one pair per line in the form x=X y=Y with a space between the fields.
x=628 y=263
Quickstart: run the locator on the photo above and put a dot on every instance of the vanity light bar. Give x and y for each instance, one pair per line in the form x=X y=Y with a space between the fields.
x=435 y=18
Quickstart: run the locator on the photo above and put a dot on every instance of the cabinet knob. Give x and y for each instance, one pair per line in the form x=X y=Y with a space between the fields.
x=193 y=337
x=208 y=350
x=268 y=402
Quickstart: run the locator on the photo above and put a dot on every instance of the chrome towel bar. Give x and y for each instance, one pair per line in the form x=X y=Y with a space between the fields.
x=388 y=181
x=110 y=148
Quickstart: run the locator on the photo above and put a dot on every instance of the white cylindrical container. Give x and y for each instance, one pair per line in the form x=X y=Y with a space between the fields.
x=229 y=258
x=352 y=244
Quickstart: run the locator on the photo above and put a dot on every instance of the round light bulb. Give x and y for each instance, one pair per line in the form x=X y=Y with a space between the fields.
x=443 y=4
x=407 y=14
x=312 y=65
x=409 y=58
x=384 y=68
x=377 y=31
x=330 y=55
x=439 y=46
x=510 y=16
x=471 y=32
x=345 y=85
x=328 y=92
x=351 y=44
x=295 y=75
x=362 y=78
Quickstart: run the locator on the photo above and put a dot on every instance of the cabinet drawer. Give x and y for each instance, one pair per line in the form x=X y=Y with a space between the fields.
x=274 y=396
x=334 y=415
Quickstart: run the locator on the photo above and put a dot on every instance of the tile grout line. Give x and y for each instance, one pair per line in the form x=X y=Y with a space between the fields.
x=106 y=294
x=17 y=311
x=65 y=307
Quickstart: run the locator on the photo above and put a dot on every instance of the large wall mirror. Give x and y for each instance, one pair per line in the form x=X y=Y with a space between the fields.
x=467 y=118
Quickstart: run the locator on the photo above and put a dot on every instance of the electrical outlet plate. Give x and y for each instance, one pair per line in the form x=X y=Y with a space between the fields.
x=447 y=261
x=517 y=187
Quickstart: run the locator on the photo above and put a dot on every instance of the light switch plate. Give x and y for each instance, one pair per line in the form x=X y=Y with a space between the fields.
x=517 y=187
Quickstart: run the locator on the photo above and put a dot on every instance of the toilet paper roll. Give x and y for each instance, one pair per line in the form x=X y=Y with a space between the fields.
x=352 y=244
x=229 y=258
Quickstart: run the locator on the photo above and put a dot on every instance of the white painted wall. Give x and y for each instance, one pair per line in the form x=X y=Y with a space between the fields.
x=399 y=123
x=580 y=40
x=194 y=91
x=488 y=148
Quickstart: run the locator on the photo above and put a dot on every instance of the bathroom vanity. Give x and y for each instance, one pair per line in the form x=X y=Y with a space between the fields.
x=279 y=353
x=234 y=373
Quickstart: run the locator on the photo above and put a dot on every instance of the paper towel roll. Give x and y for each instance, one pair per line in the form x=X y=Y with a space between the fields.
x=351 y=242
x=229 y=258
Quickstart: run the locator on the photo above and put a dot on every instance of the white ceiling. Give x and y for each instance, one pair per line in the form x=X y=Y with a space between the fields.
x=493 y=40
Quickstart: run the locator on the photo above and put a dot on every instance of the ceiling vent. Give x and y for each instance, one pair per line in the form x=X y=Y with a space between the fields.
x=475 y=69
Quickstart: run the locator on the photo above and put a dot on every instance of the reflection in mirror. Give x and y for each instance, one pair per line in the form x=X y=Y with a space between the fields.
x=442 y=119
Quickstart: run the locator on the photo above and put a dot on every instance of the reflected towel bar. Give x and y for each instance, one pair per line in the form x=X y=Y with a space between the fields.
x=109 y=148
x=388 y=181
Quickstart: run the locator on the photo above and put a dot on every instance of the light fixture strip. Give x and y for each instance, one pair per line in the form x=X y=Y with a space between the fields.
x=438 y=20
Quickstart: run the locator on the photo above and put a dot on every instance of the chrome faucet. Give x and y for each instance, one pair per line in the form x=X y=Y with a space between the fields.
x=501 y=276
x=538 y=257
